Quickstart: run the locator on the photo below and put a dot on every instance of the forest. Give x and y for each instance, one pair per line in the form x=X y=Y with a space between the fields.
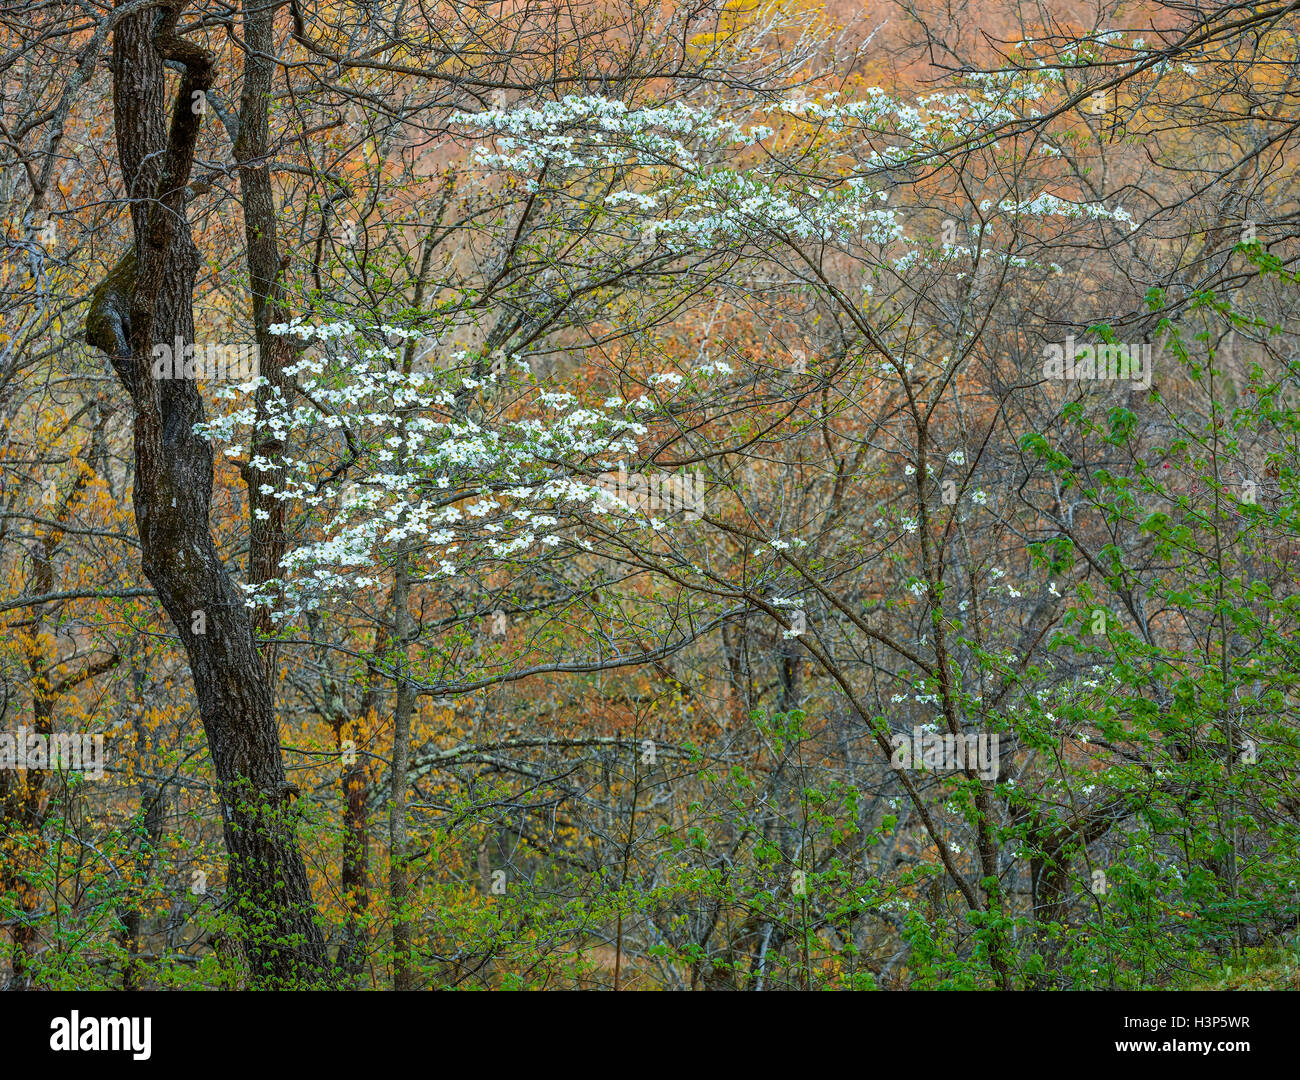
x=649 y=495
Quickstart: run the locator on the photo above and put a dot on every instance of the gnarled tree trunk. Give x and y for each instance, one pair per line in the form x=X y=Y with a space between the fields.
x=152 y=303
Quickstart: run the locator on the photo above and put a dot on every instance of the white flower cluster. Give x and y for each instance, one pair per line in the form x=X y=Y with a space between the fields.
x=429 y=476
x=1048 y=205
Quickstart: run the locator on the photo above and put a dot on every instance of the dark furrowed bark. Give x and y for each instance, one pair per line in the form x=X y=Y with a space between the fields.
x=268 y=884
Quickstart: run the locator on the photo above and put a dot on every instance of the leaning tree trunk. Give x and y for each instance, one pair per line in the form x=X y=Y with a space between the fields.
x=147 y=299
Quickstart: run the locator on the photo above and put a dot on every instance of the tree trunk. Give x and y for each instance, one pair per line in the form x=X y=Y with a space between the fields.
x=173 y=488
x=267 y=537
x=399 y=872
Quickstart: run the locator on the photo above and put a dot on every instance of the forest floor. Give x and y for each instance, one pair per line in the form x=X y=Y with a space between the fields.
x=1258 y=969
